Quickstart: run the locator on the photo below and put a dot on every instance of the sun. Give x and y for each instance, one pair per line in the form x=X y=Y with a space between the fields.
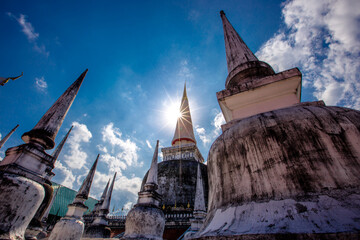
x=172 y=113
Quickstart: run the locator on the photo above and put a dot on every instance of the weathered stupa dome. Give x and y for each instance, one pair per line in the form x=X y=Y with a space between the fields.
x=281 y=169
x=292 y=170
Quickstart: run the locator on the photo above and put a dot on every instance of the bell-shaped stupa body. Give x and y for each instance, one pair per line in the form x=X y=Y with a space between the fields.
x=26 y=169
x=71 y=227
x=146 y=220
x=287 y=170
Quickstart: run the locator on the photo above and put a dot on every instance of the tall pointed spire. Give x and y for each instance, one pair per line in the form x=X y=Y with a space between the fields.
x=153 y=172
x=237 y=52
x=58 y=149
x=107 y=200
x=3 y=141
x=84 y=190
x=98 y=205
x=98 y=228
x=241 y=62
x=184 y=132
x=103 y=195
x=199 y=206
x=47 y=128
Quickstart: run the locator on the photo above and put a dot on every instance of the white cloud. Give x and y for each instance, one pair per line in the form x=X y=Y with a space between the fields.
x=29 y=31
x=323 y=39
x=41 y=49
x=41 y=84
x=102 y=148
x=208 y=137
x=81 y=177
x=122 y=183
x=125 y=148
x=26 y=26
x=128 y=205
x=218 y=121
x=202 y=134
x=185 y=72
x=114 y=163
x=76 y=157
x=131 y=185
x=64 y=173
x=148 y=144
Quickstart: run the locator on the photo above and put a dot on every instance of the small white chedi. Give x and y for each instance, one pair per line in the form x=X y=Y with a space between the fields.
x=71 y=227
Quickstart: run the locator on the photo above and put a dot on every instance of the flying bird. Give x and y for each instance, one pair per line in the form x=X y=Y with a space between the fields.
x=5 y=80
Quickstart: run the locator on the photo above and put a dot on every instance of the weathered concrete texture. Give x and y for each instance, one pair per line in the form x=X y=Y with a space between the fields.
x=177 y=182
x=288 y=236
x=297 y=168
x=15 y=215
x=144 y=222
x=321 y=214
x=97 y=231
x=98 y=238
x=35 y=227
x=67 y=229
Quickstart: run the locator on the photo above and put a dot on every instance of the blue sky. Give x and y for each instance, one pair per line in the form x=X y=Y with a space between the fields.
x=140 y=53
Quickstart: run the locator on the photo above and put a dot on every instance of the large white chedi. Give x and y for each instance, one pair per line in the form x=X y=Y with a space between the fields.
x=281 y=168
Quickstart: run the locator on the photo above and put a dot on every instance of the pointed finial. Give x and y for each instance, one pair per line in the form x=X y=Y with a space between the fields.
x=199 y=205
x=184 y=93
x=3 y=141
x=84 y=190
x=153 y=172
x=103 y=195
x=57 y=151
x=241 y=62
x=107 y=200
x=47 y=128
x=184 y=131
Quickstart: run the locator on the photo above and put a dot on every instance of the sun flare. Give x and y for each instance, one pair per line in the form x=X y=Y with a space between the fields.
x=172 y=113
